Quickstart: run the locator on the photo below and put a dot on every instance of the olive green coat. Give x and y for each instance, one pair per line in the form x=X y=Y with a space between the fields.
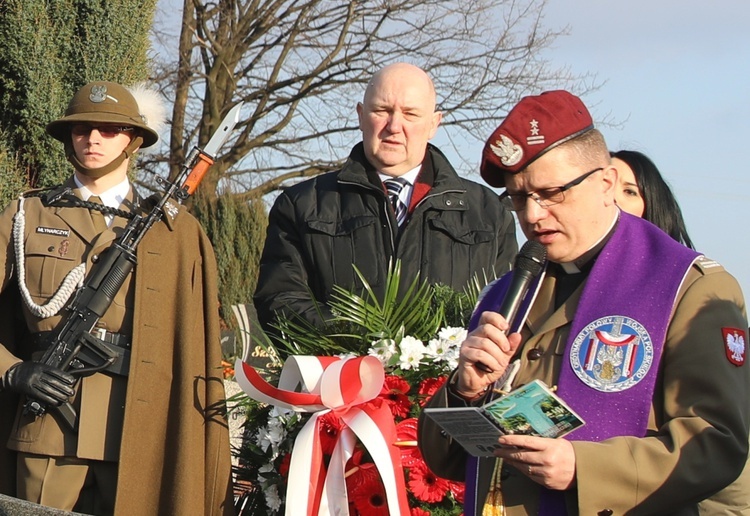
x=169 y=434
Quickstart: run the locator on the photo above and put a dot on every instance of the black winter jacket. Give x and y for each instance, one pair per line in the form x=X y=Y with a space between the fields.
x=321 y=227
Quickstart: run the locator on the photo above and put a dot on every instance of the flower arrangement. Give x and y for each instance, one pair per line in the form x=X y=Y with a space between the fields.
x=416 y=339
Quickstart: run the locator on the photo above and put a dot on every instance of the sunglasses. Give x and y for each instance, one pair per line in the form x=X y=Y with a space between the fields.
x=107 y=131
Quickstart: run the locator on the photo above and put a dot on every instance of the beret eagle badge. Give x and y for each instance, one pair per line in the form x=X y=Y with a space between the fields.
x=509 y=153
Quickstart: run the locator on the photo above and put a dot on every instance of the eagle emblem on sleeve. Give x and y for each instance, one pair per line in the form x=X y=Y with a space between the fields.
x=509 y=153
x=734 y=345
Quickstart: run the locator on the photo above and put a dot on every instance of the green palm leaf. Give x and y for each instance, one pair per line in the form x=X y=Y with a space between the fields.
x=411 y=314
x=361 y=317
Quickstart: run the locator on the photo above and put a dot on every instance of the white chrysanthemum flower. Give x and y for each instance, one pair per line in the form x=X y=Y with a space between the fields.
x=446 y=346
x=383 y=349
x=271 y=436
x=344 y=356
x=273 y=500
x=451 y=358
x=265 y=440
x=455 y=336
x=412 y=352
x=262 y=439
x=438 y=348
x=276 y=430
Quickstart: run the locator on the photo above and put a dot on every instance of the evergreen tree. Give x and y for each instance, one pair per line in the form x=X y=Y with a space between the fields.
x=51 y=48
x=237 y=231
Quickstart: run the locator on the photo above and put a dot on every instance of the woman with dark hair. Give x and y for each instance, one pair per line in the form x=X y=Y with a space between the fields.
x=644 y=193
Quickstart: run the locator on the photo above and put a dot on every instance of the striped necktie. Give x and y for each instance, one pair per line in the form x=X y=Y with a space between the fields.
x=394 y=187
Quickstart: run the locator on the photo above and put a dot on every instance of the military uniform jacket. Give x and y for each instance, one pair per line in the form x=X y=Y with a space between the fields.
x=697 y=441
x=164 y=422
x=318 y=229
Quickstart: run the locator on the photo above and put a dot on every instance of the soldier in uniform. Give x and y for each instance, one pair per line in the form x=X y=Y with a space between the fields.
x=150 y=437
x=643 y=337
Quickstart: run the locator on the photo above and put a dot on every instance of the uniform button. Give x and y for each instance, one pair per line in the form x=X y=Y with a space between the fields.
x=461 y=202
x=50 y=248
x=95 y=258
x=448 y=202
x=534 y=354
x=605 y=512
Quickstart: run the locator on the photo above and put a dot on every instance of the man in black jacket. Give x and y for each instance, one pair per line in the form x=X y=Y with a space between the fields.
x=396 y=198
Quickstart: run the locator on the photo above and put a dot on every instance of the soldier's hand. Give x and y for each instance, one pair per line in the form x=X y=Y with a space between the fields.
x=40 y=382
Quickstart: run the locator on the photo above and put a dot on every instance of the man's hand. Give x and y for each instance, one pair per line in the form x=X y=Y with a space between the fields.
x=487 y=345
x=549 y=462
x=39 y=381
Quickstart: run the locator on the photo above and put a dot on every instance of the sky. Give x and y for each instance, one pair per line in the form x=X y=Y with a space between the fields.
x=675 y=77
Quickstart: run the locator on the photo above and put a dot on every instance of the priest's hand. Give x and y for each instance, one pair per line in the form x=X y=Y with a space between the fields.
x=549 y=462
x=484 y=356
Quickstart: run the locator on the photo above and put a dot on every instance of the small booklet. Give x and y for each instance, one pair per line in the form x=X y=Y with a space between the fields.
x=532 y=409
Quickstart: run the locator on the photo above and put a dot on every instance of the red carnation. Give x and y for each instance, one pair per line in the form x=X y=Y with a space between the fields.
x=329 y=427
x=369 y=497
x=428 y=387
x=406 y=435
x=418 y=511
x=395 y=392
x=425 y=485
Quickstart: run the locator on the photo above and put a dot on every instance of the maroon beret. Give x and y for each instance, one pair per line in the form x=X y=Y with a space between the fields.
x=535 y=125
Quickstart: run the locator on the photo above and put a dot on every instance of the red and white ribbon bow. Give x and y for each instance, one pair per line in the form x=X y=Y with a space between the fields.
x=347 y=387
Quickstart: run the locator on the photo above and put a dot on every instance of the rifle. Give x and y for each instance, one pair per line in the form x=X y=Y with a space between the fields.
x=72 y=347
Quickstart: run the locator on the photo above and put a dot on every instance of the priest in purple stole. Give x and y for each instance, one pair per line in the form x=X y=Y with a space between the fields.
x=644 y=338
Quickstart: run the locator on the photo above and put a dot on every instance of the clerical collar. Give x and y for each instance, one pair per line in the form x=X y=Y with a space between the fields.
x=586 y=260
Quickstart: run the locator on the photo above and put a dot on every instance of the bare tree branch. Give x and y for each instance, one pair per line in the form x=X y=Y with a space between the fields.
x=300 y=67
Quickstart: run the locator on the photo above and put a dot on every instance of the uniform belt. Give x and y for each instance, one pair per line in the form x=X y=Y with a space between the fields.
x=120 y=347
x=40 y=340
x=117 y=339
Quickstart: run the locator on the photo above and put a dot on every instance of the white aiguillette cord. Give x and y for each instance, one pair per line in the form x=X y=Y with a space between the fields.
x=72 y=281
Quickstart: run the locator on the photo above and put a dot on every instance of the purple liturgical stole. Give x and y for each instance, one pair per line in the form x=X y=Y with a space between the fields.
x=616 y=338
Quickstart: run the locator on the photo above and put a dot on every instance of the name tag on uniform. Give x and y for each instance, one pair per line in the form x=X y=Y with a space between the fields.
x=53 y=231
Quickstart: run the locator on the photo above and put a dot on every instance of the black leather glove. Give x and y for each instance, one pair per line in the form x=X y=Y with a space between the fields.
x=39 y=381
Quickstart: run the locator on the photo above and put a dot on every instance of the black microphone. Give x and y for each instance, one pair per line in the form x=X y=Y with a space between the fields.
x=526 y=268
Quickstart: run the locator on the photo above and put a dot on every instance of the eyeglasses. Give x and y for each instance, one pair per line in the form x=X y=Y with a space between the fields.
x=107 y=131
x=545 y=197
